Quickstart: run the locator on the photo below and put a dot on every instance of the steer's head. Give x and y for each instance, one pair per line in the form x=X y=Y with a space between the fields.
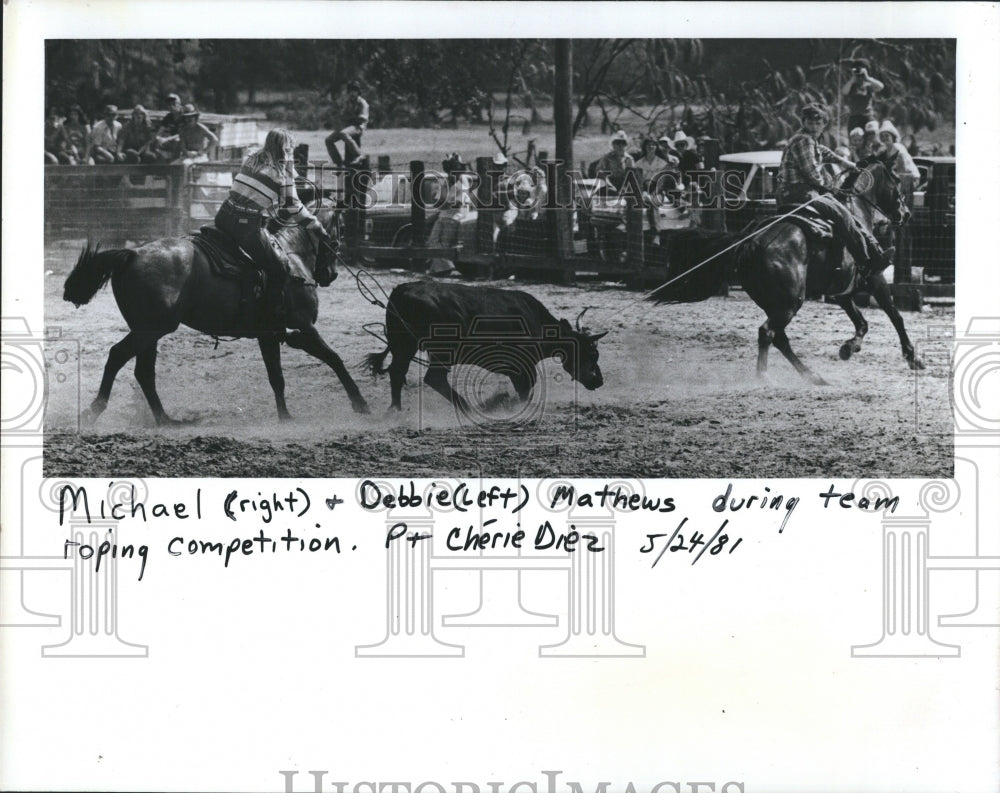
x=580 y=358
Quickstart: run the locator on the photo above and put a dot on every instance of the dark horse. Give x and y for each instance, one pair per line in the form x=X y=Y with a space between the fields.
x=782 y=265
x=165 y=283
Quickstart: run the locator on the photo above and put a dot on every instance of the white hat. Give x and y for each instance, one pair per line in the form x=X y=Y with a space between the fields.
x=681 y=137
x=888 y=126
x=856 y=132
x=872 y=126
x=499 y=158
x=620 y=135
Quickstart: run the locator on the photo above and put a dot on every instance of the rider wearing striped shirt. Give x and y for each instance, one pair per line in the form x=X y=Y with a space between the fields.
x=802 y=178
x=265 y=185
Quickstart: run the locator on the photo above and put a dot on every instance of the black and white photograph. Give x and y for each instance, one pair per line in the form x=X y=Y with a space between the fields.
x=641 y=257
x=490 y=397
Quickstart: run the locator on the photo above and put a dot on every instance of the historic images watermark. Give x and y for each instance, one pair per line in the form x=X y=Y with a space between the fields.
x=551 y=784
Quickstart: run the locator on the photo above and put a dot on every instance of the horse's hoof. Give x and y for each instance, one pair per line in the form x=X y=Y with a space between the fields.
x=285 y=417
x=916 y=364
x=361 y=408
x=846 y=350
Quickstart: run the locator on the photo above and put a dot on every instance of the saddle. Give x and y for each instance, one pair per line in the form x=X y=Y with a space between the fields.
x=228 y=260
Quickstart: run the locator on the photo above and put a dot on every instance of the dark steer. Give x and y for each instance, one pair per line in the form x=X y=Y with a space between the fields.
x=500 y=330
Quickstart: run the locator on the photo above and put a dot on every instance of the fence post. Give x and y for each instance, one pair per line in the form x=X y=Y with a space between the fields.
x=418 y=213
x=484 y=206
x=634 y=247
x=356 y=184
x=384 y=164
x=560 y=219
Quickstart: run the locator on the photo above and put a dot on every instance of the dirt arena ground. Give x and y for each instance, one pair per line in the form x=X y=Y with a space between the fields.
x=680 y=399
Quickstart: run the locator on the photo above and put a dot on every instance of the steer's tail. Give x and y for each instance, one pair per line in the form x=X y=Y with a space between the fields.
x=93 y=270
x=374 y=362
x=699 y=265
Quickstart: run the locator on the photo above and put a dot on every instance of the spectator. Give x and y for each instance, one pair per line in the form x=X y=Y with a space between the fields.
x=688 y=153
x=614 y=165
x=898 y=158
x=457 y=210
x=354 y=115
x=859 y=92
x=137 y=137
x=78 y=133
x=167 y=145
x=57 y=145
x=856 y=139
x=665 y=150
x=104 y=137
x=649 y=163
x=194 y=137
x=869 y=143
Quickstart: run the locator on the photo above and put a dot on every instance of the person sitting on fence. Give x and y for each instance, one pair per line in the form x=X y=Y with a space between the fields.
x=504 y=217
x=615 y=164
x=137 y=137
x=167 y=145
x=354 y=115
x=78 y=133
x=655 y=187
x=193 y=137
x=104 y=138
x=265 y=185
x=801 y=179
x=57 y=145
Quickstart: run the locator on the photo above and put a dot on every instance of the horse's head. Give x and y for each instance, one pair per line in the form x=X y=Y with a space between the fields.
x=877 y=184
x=315 y=250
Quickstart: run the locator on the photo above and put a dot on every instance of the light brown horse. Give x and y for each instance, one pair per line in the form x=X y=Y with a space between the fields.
x=169 y=282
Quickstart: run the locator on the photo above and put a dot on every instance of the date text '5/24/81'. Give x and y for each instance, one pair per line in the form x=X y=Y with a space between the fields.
x=694 y=543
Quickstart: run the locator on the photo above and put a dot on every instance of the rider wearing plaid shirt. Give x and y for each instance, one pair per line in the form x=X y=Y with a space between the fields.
x=801 y=178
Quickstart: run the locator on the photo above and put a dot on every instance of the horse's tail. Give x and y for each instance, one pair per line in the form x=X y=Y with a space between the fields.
x=93 y=270
x=699 y=265
x=374 y=362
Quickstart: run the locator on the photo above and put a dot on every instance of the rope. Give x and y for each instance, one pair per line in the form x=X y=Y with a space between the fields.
x=736 y=244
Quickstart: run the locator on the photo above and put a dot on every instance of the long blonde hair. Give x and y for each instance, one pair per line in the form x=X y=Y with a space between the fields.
x=273 y=153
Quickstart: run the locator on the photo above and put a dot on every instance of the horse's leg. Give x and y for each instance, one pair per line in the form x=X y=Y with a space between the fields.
x=780 y=338
x=848 y=348
x=119 y=355
x=882 y=295
x=764 y=338
x=145 y=373
x=308 y=340
x=270 y=351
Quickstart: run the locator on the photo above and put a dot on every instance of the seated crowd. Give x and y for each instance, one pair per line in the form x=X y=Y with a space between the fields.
x=178 y=138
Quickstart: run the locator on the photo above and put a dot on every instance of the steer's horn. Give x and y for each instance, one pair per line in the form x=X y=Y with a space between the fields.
x=597 y=336
x=579 y=317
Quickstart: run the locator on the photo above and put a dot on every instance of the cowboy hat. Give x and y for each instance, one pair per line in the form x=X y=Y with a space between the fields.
x=189 y=110
x=499 y=158
x=815 y=110
x=620 y=135
x=872 y=126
